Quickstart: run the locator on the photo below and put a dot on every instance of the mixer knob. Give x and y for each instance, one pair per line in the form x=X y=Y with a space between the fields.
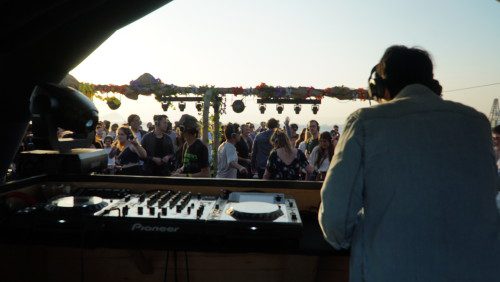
x=164 y=211
x=179 y=208
x=198 y=196
x=290 y=204
x=192 y=205
x=139 y=210
x=294 y=216
x=152 y=210
x=125 y=210
x=142 y=198
x=188 y=210
x=277 y=198
x=127 y=198
x=216 y=206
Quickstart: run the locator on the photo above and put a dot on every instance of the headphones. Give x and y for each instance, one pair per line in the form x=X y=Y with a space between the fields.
x=376 y=84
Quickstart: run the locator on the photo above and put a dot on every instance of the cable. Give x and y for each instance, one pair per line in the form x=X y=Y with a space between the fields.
x=175 y=266
x=166 y=267
x=82 y=246
x=472 y=87
x=187 y=266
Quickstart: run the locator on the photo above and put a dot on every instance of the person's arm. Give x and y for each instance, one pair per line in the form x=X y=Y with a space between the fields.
x=114 y=150
x=170 y=150
x=288 y=131
x=267 y=175
x=139 y=149
x=233 y=161
x=341 y=194
x=254 y=153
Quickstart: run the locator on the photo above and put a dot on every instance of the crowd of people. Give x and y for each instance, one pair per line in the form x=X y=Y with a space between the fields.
x=176 y=149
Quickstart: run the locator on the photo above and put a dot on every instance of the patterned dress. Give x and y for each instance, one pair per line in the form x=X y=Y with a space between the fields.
x=293 y=171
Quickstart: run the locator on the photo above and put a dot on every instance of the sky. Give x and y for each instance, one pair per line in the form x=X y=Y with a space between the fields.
x=315 y=43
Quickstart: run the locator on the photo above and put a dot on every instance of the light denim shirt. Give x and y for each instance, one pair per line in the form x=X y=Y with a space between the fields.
x=411 y=190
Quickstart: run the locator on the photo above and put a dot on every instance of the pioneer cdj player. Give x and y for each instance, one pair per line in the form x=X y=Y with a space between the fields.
x=160 y=217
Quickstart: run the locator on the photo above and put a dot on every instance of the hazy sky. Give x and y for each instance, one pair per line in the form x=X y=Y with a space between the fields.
x=315 y=43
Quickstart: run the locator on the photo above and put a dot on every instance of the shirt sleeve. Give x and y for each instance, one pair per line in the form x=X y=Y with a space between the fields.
x=341 y=194
x=232 y=156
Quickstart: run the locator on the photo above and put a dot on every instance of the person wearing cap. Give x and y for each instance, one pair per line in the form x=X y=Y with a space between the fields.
x=195 y=153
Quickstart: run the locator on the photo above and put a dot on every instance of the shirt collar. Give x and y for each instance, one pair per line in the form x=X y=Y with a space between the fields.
x=416 y=91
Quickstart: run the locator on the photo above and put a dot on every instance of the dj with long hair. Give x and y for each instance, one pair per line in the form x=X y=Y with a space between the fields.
x=127 y=152
x=285 y=162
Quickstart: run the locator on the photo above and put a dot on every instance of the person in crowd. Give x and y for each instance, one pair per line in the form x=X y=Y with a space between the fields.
x=243 y=148
x=134 y=122
x=107 y=127
x=496 y=145
x=262 y=127
x=227 y=158
x=285 y=162
x=301 y=142
x=99 y=133
x=159 y=149
x=195 y=153
x=108 y=141
x=313 y=136
x=409 y=191
x=294 y=136
x=150 y=127
x=321 y=156
x=127 y=152
x=252 y=133
x=179 y=153
x=172 y=135
x=112 y=131
x=262 y=147
x=335 y=133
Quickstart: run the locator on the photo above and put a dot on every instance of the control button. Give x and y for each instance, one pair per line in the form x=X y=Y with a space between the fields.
x=127 y=198
x=198 y=196
x=142 y=198
x=179 y=208
x=188 y=210
x=139 y=210
x=164 y=211
x=152 y=210
x=216 y=206
x=277 y=198
x=290 y=204
x=192 y=205
x=294 y=216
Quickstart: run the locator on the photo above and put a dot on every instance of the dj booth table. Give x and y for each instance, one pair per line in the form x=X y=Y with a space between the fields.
x=120 y=258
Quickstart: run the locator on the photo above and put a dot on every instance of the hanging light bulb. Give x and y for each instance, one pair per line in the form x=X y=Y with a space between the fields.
x=279 y=108
x=297 y=108
x=182 y=106
x=262 y=108
x=315 y=108
x=199 y=106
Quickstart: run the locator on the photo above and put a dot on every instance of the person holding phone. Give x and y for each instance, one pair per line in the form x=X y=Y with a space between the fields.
x=127 y=152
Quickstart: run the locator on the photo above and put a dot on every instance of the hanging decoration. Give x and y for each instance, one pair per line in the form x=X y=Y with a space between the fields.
x=147 y=84
x=238 y=106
